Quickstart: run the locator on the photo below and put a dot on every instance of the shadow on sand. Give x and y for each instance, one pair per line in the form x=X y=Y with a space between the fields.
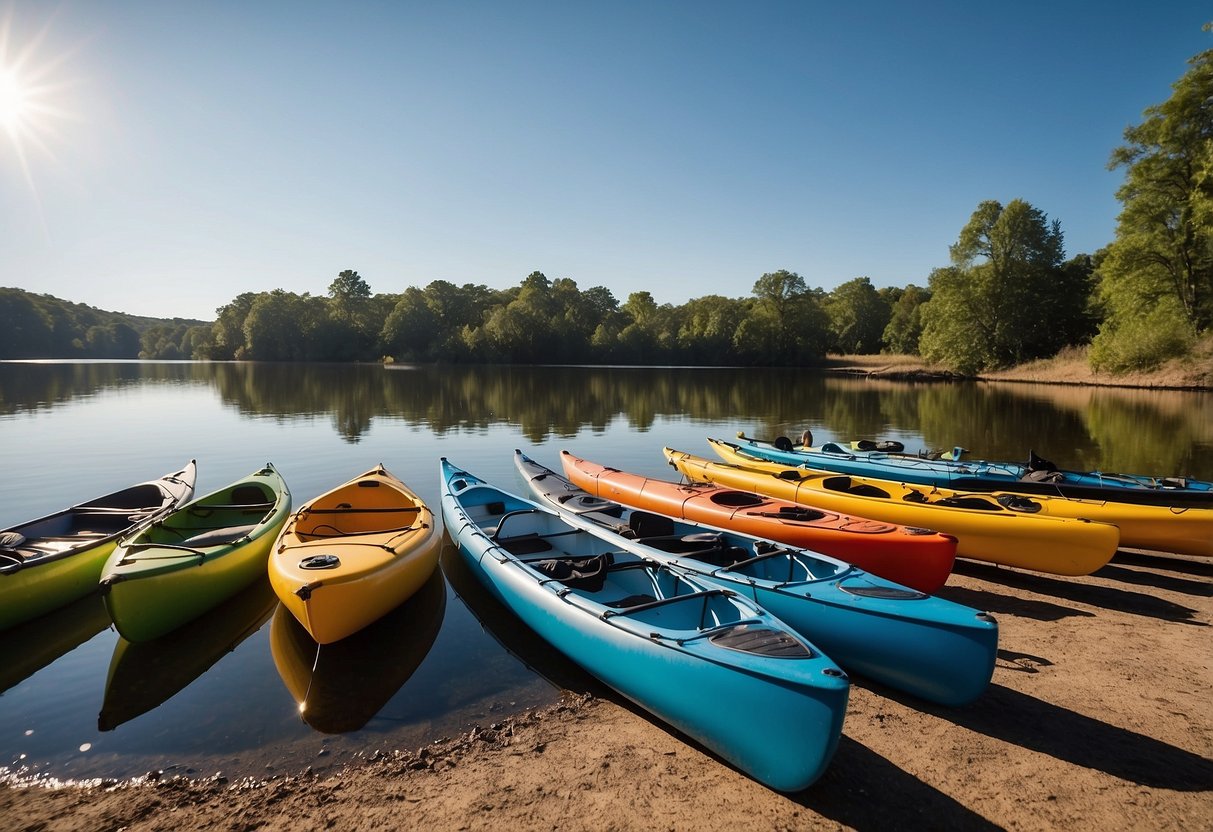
x=997 y=603
x=1031 y=723
x=863 y=790
x=1171 y=563
x=1138 y=577
x=1083 y=592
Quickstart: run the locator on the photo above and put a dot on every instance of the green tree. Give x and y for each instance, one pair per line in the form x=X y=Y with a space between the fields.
x=1003 y=299
x=708 y=326
x=904 y=329
x=1160 y=266
x=229 y=337
x=411 y=331
x=115 y=339
x=858 y=317
x=271 y=329
x=786 y=324
x=26 y=329
x=650 y=334
x=353 y=327
x=349 y=286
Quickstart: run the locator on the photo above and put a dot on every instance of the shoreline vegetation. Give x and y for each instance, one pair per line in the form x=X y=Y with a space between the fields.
x=1070 y=366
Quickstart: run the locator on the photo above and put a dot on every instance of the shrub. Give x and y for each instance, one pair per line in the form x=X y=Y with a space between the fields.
x=1142 y=342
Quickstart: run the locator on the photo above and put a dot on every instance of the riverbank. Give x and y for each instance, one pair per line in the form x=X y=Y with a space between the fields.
x=1194 y=372
x=1097 y=718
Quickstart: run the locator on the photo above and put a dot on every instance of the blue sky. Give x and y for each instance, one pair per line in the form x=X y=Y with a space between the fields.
x=184 y=152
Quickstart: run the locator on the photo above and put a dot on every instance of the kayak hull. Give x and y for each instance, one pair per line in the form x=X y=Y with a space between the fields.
x=655 y=653
x=1181 y=528
x=62 y=555
x=350 y=556
x=915 y=557
x=195 y=558
x=996 y=534
x=985 y=475
x=930 y=647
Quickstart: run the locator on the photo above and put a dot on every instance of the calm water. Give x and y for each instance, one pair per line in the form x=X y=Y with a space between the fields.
x=221 y=695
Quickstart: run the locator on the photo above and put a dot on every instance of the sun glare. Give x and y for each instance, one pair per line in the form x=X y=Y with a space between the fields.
x=13 y=100
x=35 y=101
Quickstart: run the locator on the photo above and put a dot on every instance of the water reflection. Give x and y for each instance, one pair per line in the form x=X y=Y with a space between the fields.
x=340 y=686
x=507 y=629
x=143 y=676
x=1110 y=429
x=32 y=645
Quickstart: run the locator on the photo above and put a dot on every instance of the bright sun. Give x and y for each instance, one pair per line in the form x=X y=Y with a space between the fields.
x=14 y=100
x=32 y=94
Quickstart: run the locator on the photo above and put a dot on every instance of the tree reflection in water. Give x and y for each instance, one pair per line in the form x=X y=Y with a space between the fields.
x=1088 y=428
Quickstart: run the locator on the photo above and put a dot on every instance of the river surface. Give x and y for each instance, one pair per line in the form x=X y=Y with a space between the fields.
x=221 y=695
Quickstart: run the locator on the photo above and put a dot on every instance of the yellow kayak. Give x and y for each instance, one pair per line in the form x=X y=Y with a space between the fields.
x=1011 y=536
x=1185 y=530
x=350 y=556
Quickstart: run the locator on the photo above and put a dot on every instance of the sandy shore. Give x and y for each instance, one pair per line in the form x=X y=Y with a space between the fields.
x=1099 y=717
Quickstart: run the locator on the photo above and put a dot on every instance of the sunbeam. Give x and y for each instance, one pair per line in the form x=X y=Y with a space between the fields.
x=33 y=103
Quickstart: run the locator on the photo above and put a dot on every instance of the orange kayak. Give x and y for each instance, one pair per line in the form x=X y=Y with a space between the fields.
x=917 y=558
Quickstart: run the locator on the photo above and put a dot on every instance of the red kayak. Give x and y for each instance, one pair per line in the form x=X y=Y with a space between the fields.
x=917 y=558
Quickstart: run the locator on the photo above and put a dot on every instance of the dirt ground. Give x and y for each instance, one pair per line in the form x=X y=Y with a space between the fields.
x=1194 y=372
x=1099 y=717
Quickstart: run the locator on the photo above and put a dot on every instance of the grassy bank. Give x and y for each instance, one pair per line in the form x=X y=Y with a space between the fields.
x=1194 y=372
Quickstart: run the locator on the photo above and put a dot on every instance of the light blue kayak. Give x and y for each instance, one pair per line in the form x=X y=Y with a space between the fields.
x=707 y=661
x=927 y=646
x=1038 y=476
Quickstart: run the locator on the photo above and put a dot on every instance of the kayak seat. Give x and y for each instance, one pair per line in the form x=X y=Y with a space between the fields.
x=1017 y=502
x=914 y=497
x=218 y=537
x=587 y=573
x=646 y=524
x=865 y=490
x=708 y=547
x=586 y=504
x=9 y=541
x=737 y=499
x=845 y=485
x=801 y=514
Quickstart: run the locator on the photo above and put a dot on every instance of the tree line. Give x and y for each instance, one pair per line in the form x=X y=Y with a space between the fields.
x=1008 y=296
x=43 y=326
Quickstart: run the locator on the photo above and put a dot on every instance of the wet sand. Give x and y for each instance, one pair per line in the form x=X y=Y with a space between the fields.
x=1098 y=717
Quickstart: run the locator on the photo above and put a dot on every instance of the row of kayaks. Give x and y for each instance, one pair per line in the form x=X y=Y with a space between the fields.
x=753 y=582
x=888 y=460
x=161 y=559
x=740 y=642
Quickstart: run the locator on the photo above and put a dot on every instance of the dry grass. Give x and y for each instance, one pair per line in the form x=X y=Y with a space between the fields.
x=1070 y=366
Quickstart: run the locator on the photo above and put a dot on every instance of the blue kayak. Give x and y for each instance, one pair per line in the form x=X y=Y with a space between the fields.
x=932 y=648
x=707 y=661
x=1037 y=476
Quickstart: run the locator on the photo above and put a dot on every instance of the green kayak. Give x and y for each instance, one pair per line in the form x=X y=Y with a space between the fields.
x=48 y=563
x=190 y=561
